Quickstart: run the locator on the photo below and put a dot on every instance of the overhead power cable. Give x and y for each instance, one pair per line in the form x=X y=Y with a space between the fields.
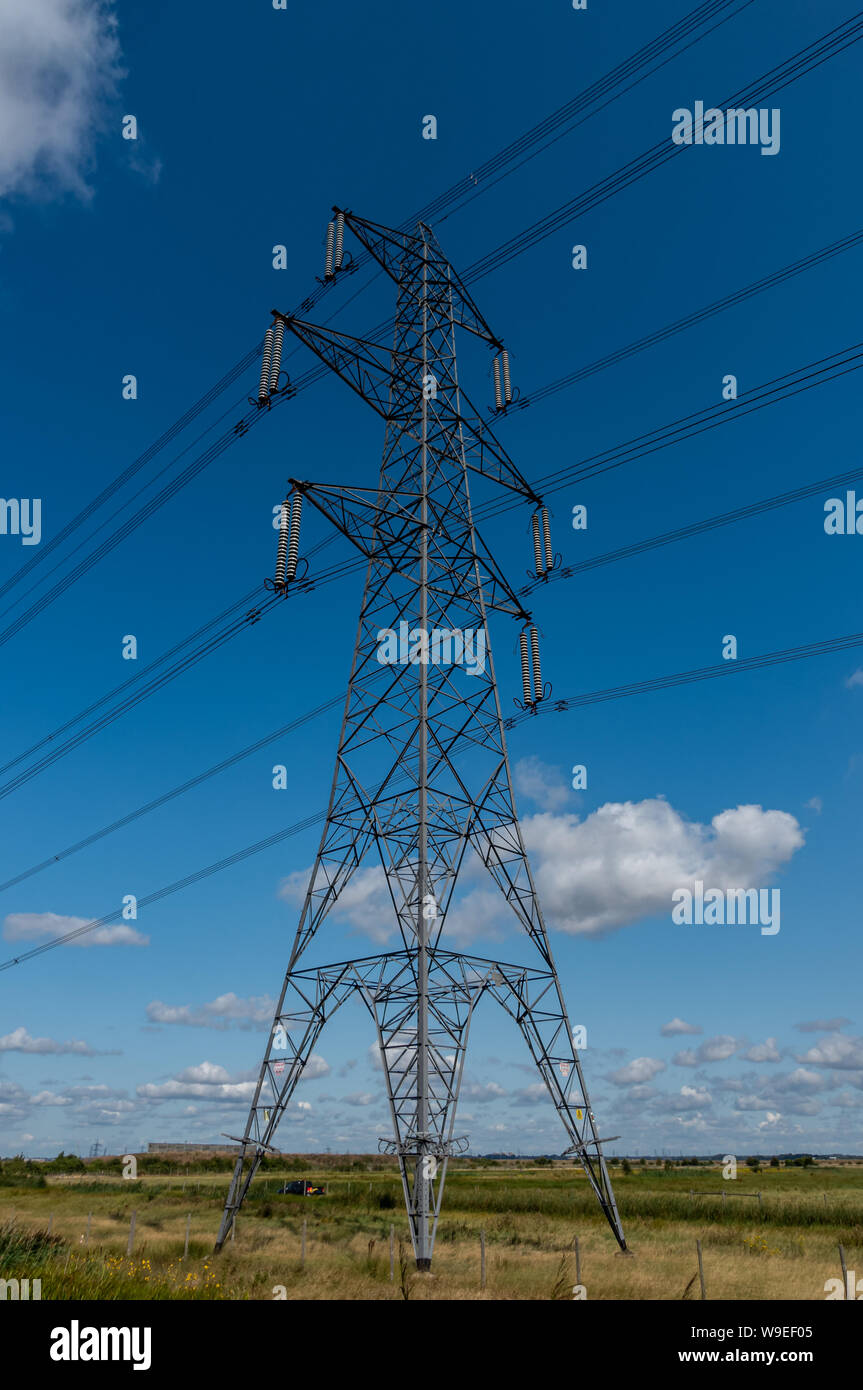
x=802 y=653
x=780 y=389
x=186 y=786
x=806 y=60
x=648 y=59
x=703 y=673
x=697 y=528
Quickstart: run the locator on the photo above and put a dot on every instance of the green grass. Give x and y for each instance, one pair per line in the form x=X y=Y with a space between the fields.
x=784 y=1248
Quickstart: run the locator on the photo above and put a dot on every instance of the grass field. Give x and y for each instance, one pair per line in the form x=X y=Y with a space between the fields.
x=784 y=1247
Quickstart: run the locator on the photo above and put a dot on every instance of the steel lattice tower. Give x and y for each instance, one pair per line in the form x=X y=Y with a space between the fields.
x=422 y=778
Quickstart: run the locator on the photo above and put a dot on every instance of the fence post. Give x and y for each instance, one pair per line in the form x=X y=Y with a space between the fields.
x=482 y=1259
x=844 y=1270
x=701 y=1269
x=392 y=1253
x=577 y=1261
x=303 y=1250
x=724 y=1199
x=87 y=1236
x=760 y=1203
x=234 y=1226
x=188 y=1228
x=131 y=1243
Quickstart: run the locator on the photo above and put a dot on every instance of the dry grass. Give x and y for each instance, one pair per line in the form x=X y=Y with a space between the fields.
x=785 y=1250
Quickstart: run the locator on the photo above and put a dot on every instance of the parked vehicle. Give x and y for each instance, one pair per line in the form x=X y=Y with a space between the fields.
x=300 y=1188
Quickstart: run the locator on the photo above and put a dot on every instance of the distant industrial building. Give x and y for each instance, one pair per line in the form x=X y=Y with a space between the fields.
x=193 y=1148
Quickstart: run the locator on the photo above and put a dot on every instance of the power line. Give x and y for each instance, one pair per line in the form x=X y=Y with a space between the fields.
x=711 y=417
x=802 y=653
x=776 y=80
x=108 y=492
x=718 y=306
x=642 y=61
x=806 y=60
x=696 y=528
x=703 y=673
x=186 y=786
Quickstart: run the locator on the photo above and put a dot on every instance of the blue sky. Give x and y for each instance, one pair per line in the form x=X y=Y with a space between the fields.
x=154 y=257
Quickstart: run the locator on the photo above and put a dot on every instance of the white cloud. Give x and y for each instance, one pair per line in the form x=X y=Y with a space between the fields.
x=359 y=1098
x=315 y=1067
x=822 y=1025
x=676 y=1026
x=688 y=1098
x=33 y=926
x=213 y=1085
x=772 y=1118
x=220 y=1013
x=763 y=1052
x=49 y=1098
x=211 y=1082
x=481 y=1093
x=815 y=804
x=716 y=1049
x=364 y=902
x=621 y=864
x=856 y=678
x=19 y=1040
x=59 y=67
x=799 y=1080
x=640 y=1070
x=751 y=1103
x=533 y=1094
x=627 y=858
x=845 y=1054
x=540 y=783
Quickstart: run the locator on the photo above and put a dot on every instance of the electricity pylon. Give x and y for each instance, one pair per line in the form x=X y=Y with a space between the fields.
x=422 y=783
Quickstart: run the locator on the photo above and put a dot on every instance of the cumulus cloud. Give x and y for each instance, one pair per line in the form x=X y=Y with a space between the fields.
x=839 y=1051
x=220 y=1013
x=856 y=678
x=359 y=1098
x=19 y=1040
x=59 y=68
x=364 y=902
x=480 y=1093
x=49 y=1098
x=716 y=1049
x=771 y=1119
x=532 y=1095
x=763 y=1052
x=822 y=1025
x=210 y=1081
x=688 y=1098
x=624 y=861
x=540 y=783
x=676 y=1026
x=640 y=1070
x=33 y=926
x=207 y=1081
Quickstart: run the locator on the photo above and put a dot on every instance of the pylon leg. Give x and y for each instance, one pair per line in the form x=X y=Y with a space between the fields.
x=534 y=1000
x=308 y=999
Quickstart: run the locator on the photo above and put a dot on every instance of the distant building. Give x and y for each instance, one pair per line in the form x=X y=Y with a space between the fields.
x=193 y=1148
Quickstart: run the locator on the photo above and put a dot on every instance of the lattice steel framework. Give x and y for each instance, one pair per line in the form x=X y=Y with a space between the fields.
x=422 y=779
